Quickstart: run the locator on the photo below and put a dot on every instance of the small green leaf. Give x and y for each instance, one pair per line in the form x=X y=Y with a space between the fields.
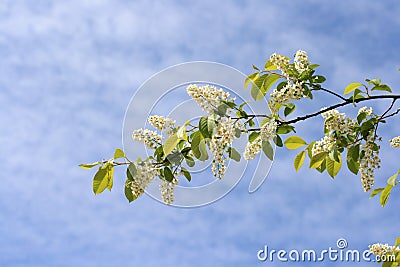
x=284 y=129
x=290 y=107
x=351 y=87
x=170 y=144
x=234 y=154
x=299 y=160
x=392 y=179
x=103 y=178
x=294 y=142
x=119 y=154
x=131 y=171
x=128 y=191
x=206 y=126
x=168 y=174
x=270 y=80
x=238 y=132
x=269 y=66
x=332 y=166
x=319 y=79
x=249 y=79
x=376 y=192
x=317 y=160
x=256 y=90
x=278 y=141
x=198 y=146
x=268 y=150
x=186 y=173
x=89 y=166
x=253 y=136
x=397 y=242
x=381 y=87
x=190 y=161
x=181 y=133
x=385 y=194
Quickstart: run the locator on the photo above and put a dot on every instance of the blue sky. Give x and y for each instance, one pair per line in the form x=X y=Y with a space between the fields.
x=68 y=70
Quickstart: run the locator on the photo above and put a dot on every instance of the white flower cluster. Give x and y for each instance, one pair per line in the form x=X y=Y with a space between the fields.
x=292 y=91
x=267 y=133
x=335 y=121
x=301 y=61
x=395 y=142
x=367 y=111
x=167 y=190
x=380 y=250
x=208 y=97
x=224 y=136
x=150 y=138
x=323 y=145
x=280 y=62
x=369 y=163
x=145 y=174
x=161 y=123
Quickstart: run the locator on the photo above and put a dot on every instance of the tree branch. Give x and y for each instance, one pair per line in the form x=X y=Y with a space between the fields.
x=344 y=103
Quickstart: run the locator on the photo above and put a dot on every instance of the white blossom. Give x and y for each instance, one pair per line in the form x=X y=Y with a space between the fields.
x=223 y=138
x=336 y=121
x=380 y=250
x=395 y=142
x=324 y=145
x=292 y=91
x=369 y=163
x=280 y=62
x=367 y=111
x=267 y=133
x=208 y=97
x=161 y=123
x=167 y=190
x=301 y=61
x=145 y=174
x=150 y=138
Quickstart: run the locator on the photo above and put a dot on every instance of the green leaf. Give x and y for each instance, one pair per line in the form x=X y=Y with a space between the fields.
x=128 y=191
x=294 y=142
x=255 y=67
x=234 y=154
x=278 y=141
x=198 y=146
x=385 y=194
x=168 y=174
x=397 y=242
x=238 y=132
x=131 y=171
x=299 y=160
x=256 y=90
x=103 y=178
x=321 y=168
x=190 y=161
x=375 y=82
x=317 y=160
x=268 y=150
x=206 y=126
x=284 y=129
x=249 y=79
x=392 y=179
x=268 y=82
x=119 y=154
x=351 y=87
x=170 y=144
x=89 y=166
x=352 y=165
x=319 y=79
x=290 y=107
x=253 y=136
x=332 y=166
x=376 y=192
x=269 y=66
x=381 y=87
x=186 y=173
x=181 y=133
